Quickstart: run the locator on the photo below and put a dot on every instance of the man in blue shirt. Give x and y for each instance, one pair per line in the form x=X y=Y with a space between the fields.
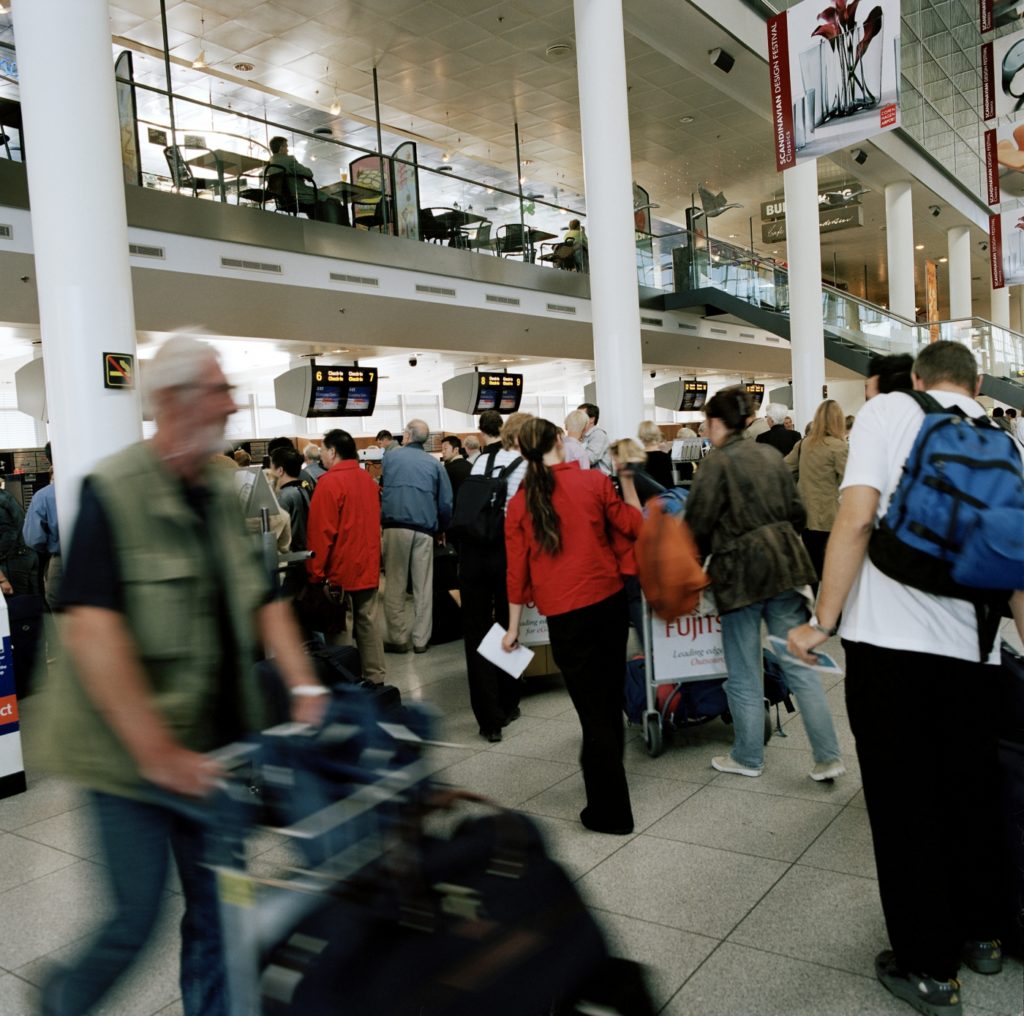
x=40 y=532
x=416 y=506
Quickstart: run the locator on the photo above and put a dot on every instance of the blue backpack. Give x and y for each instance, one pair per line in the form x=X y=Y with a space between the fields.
x=955 y=524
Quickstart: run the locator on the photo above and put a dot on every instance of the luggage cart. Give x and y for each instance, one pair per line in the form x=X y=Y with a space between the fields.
x=705 y=691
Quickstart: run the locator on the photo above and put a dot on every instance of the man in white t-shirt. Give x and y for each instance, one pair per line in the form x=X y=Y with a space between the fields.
x=921 y=708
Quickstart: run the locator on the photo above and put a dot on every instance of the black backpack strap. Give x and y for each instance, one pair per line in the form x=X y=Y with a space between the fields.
x=928 y=403
x=491 y=456
x=510 y=468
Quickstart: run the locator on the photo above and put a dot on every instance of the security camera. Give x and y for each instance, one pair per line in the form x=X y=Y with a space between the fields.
x=654 y=373
x=413 y=360
x=935 y=210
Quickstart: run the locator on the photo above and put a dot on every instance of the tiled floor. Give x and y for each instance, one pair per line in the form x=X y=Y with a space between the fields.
x=752 y=897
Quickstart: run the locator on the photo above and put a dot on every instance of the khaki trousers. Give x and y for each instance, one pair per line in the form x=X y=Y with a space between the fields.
x=366 y=633
x=408 y=554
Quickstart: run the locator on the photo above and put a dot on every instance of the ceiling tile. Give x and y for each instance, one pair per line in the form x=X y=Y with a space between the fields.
x=236 y=38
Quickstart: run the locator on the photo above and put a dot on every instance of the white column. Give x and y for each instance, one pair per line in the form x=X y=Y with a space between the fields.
x=959 y=240
x=79 y=232
x=1000 y=312
x=803 y=252
x=899 y=243
x=607 y=169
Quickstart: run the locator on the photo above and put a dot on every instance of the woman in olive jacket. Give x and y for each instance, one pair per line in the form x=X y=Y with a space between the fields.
x=818 y=463
x=744 y=511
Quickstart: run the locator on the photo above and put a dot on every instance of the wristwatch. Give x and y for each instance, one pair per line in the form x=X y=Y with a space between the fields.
x=818 y=626
x=308 y=690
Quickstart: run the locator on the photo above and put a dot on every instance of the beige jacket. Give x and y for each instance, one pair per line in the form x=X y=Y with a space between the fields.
x=818 y=469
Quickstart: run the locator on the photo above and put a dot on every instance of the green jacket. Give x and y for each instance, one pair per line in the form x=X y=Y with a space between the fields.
x=170 y=608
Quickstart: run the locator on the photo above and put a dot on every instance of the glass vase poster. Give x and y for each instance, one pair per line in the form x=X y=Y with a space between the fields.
x=834 y=76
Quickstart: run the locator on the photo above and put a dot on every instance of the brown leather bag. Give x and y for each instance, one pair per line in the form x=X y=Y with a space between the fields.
x=668 y=563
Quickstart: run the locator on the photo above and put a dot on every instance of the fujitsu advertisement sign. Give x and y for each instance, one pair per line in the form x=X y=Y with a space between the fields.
x=833 y=75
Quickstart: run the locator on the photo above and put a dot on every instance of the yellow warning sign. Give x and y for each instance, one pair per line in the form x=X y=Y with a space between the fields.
x=118 y=370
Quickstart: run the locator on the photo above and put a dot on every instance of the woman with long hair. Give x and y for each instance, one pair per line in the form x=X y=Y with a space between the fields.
x=818 y=463
x=569 y=539
x=659 y=462
x=744 y=511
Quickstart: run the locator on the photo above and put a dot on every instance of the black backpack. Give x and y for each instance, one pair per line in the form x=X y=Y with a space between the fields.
x=480 y=508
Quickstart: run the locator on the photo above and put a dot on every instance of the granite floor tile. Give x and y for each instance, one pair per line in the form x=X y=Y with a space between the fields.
x=51 y=911
x=576 y=848
x=819 y=916
x=1003 y=993
x=17 y=996
x=680 y=885
x=507 y=780
x=152 y=982
x=775 y=827
x=690 y=763
x=45 y=798
x=736 y=980
x=668 y=954
x=651 y=798
x=786 y=775
x=534 y=737
x=797 y=740
x=23 y=861
x=73 y=831
x=844 y=846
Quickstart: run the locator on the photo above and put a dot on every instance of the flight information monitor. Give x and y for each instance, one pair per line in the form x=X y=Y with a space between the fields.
x=318 y=390
x=502 y=392
x=756 y=392
x=695 y=394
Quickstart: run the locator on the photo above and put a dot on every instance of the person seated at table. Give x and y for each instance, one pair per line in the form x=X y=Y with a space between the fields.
x=300 y=187
x=577 y=236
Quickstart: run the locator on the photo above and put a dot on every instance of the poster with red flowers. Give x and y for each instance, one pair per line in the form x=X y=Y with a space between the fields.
x=834 y=74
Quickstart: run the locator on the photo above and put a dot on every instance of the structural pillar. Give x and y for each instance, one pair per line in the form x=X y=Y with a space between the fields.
x=1016 y=296
x=1000 y=312
x=959 y=241
x=607 y=170
x=899 y=243
x=79 y=233
x=803 y=253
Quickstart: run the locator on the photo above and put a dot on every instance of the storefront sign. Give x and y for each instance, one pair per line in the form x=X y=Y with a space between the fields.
x=844 y=195
x=828 y=222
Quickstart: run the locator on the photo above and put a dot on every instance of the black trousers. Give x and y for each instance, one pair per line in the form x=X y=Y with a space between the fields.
x=925 y=730
x=589 y=646
x=493 y=694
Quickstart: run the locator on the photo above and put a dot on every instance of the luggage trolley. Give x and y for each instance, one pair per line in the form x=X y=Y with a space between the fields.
x=697 y=695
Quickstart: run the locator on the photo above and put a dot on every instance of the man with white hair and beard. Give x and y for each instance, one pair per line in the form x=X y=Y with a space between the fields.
x=160 y=591
x=779 y=436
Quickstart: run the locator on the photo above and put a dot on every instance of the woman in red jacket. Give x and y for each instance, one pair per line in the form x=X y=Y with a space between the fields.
x=569 y=537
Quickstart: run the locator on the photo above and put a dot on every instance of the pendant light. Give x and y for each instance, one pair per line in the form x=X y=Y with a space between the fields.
x=199 y=63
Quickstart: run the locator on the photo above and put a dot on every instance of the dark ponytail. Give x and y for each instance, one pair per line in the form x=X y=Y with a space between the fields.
x=536 y=439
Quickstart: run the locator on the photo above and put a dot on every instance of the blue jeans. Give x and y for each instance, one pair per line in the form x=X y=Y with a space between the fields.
x=741 y=639
x=135 y=837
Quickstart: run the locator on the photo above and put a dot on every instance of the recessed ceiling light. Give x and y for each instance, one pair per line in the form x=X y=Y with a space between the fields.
x=686 y=119
x=733 y=236
x=557 y=49
x=918 y=246
x=527 y=162
x=942 y=261
x=244 y=66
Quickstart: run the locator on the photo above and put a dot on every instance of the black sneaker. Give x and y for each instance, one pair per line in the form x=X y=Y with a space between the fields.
x=984 y=957
x=924 y=993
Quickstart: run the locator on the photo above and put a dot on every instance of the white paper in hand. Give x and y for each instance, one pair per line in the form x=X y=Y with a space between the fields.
x=513 y=663
x=824 y=663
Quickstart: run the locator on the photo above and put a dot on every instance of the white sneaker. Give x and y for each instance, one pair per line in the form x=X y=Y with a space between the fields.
x=828 y=770
x=727 y=764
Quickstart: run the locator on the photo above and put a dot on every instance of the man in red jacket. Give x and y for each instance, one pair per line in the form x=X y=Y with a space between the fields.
x=343 y=532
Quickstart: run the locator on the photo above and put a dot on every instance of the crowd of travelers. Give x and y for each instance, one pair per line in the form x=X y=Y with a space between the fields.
x=540 y=515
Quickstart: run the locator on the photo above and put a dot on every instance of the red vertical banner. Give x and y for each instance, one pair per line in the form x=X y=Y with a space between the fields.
x=781 y=92
x=991 y=167
x=985 y=15
x=931 y=283
x=995 y=250
x=988 y=84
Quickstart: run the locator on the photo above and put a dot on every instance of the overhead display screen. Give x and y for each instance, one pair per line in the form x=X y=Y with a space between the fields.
x=695 y=394
x=502 y=392
x=756 y=392
x=343 y=391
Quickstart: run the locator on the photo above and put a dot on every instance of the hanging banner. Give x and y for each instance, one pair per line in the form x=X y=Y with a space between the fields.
x=997 y=13
x=126 y=115
x=407 y=190
x=995 y=250
x=1002 y=77
x=828 y=222
x=834 y=76
x=1004 y=162
x=931 y=287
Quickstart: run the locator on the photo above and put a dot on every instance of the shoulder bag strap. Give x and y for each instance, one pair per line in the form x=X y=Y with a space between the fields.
x=491 y=457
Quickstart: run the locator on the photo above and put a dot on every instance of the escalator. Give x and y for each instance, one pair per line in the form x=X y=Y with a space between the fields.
x=721 y=280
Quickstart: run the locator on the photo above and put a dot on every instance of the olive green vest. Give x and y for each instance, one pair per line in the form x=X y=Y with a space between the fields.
x=170 y=608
